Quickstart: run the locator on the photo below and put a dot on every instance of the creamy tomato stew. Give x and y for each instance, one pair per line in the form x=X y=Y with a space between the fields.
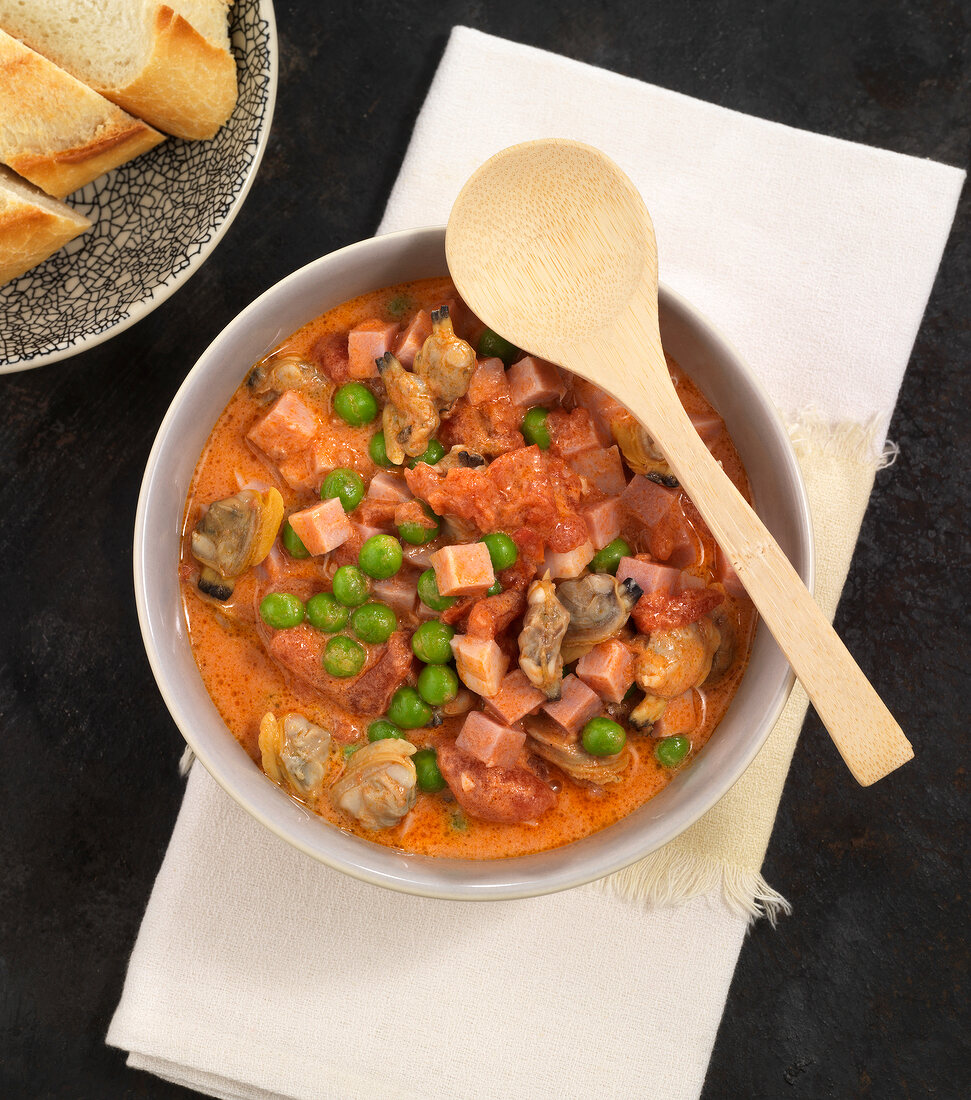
x=448 y=595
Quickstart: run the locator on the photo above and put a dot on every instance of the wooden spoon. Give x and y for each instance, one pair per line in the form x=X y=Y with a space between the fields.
x=551 y=245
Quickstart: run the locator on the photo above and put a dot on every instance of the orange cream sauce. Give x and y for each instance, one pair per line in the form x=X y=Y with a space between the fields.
x=245 y=683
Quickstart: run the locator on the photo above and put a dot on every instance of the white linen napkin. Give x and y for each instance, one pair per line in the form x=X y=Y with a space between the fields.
x=258 y=973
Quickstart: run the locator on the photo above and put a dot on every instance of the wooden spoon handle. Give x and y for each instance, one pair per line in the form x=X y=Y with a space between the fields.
x=864 y=731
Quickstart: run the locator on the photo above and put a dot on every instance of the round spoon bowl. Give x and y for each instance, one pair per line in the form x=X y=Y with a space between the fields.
x=382 y=261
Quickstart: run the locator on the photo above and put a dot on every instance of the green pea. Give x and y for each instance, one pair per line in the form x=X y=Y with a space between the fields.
x=398 y=305
x=428 y=592
x=416 y=533
x=355 y=403
x=292 y=544
x=382 y=729
x=671 y=751
x=378 y=450
x=607 y=559
x=433 y=453
x=281 y=610
x=603 y=737
x=502 y=550
x=380 y=556
x=326 y=614
x=534 y=428
x=350 y=586
x=491 y=344
x=408 y=710
x=426 y=765
x=343 y=657
x=374 y=622
x=438 y=684
x=494 y=589
x=431 y=643
x=346 y=485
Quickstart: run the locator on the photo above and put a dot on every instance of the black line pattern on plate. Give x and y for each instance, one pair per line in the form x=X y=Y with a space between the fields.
x=151 y=217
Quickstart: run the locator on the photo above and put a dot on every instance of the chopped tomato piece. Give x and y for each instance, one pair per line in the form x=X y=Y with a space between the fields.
x=506 y=795
x=493 y=614
x=660 y=611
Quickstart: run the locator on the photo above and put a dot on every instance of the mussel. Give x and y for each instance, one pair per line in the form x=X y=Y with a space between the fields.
x=234 y=535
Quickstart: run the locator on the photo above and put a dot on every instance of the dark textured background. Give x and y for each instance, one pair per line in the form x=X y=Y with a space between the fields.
x=863 y=991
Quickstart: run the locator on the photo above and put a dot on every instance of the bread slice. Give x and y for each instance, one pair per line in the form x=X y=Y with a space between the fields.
x=168 y=63
x=32 y=225
x=54 y=130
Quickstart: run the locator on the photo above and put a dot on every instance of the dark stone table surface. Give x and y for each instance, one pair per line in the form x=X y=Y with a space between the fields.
x=863 y=990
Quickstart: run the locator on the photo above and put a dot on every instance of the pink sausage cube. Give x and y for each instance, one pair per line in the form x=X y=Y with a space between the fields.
x=289 y=425
x=603 y=521
x=516 y=697
x=601 y=468
x=727 y=575
x=647 y=501
x=600 y=405
x=366 y=343
x=689 y=580
x=488 y=382
x=649 y=576
x=480 y=663
x=398 y=592
x=417 y=331
x=576 y=705
x=608 y=669
x=385 y=486
x=571 y=563
x=533 y=381
x=322 y=527
x=679 y=716
x=708 y=426
x=463 y=570
x=496 y=746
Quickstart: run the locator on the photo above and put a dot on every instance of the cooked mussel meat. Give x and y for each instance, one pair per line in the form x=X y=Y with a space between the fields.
x=379 y=785
x=234 y=535
x=296 y=754
x=544 y=627
x=598 y=606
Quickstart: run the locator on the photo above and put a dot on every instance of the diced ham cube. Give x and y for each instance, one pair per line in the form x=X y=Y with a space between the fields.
x=288 y=426
x=488 y=382
x=303 y=470
x=648 y=501
x=602 y=468
x=322 y=527
x=649 y=576
x=657 y=510
x=576 y=705
x=708 y=425
x=603 y=521
x=516 y=697
x=727 y=575
x=398 y=592
x=571 y=563
x=367 y=343
x=608 y=669
x=689 y=580
x=463 y=570
x=385 y=486
x=480 y=663
x=415 y=333
x=600 y=405
x=533 y=381
x=679 y=716
x=571 y=433
x=495 y=745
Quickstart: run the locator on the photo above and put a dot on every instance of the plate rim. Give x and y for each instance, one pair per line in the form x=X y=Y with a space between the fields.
x=164 y=290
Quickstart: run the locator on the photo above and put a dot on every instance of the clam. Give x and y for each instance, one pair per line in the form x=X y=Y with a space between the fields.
x=669 y=662
x=234 y=535
x=566 y=752
x=544 y=627
x=296 y=754
x=286 y=372
x=410 y=417
x=446 y=362
x=598 y=606
x=640 y=452
x=379 y=785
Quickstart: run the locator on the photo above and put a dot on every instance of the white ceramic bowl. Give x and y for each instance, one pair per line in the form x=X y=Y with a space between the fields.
x=382 y=261
x=156 y=220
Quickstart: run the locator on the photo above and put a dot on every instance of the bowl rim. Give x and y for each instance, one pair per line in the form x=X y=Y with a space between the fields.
x=515 y=887
x=176 y=279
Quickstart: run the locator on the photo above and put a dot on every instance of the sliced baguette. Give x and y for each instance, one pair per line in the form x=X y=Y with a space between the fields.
x=167 y=63
x=32 y=225
x=54 y=130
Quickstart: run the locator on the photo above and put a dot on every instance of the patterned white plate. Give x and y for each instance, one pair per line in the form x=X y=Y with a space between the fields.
x=156 y=219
